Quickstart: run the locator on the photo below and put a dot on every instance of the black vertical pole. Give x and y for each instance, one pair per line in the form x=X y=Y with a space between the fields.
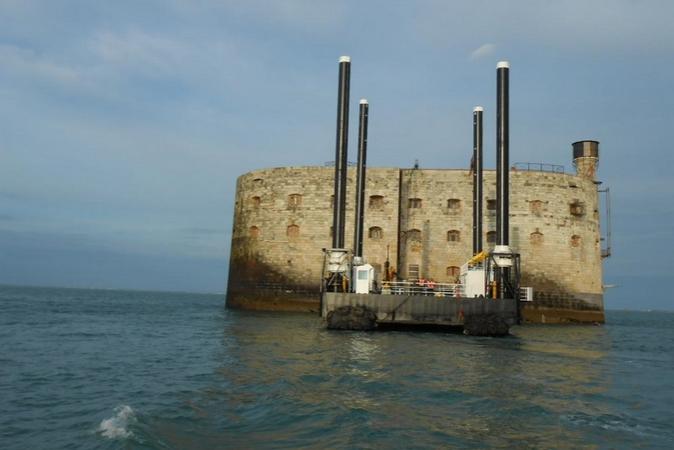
x=502 y=166
x=339 y=209
x=477 y=179
x=360 y=179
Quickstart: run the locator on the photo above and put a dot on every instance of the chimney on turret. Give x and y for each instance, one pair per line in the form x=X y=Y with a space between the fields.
x=586 y=158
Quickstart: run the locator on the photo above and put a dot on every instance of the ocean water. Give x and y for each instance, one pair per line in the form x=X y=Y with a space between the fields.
x=102 y=369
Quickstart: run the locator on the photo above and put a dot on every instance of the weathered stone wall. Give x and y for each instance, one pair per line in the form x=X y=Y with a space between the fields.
x=283 y=219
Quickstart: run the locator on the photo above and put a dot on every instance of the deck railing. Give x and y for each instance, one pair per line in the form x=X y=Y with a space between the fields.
x=416 y=288
x=437 y=289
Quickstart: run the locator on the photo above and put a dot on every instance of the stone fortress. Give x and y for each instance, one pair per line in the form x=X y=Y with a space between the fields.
x=420 y=221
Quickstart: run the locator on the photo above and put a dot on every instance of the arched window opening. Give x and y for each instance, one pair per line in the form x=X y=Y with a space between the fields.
x=255 y=202
x=293 y=231
x=575 y=240
x=536 y=206
x=453 y=273
x=577 y=209
x=414 y=203
x=376 y=233
x=491 y=204
x=453 y=236
x=376 y=201
x=254 y=232
x=414 y=235
x=453 y=203
x=536 y=237
x=294 y=200
x=491 y=237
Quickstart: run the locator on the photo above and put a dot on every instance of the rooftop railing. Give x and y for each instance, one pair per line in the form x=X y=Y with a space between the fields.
x=332 y=164
x=538 y=167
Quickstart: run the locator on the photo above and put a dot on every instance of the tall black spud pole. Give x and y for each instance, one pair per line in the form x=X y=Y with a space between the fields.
x=477 y=179
x=502 y=168
x=360 y=178
x=339 y=210
x=502 y=154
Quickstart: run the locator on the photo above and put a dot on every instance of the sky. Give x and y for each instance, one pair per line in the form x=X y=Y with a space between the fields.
x=124 y=124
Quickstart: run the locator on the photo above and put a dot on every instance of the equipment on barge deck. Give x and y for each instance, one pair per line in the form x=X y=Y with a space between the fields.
x=363 y=277
x=336 y=264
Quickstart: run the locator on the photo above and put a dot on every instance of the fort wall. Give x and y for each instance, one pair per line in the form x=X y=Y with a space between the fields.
x=283 y=219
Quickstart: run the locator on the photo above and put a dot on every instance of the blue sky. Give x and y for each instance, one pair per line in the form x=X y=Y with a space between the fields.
x=123 y=125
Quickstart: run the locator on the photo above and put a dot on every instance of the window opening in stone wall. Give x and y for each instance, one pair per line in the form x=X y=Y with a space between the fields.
x=453 y=271
x=258 y=182
x=331 y=231
x=453 y=203
x=293 y=231
x=254 y=232
x=491 y=237
x=376 y=201
x=413 y=271
x=294 y=200
x=536 y=237
x=491 y=204
x=255 y=202
x=536 y=206
x=575 y=241
x=414 y=235
x=577 y=208
x=376 y=233
x=453 y=236
x=414 y=203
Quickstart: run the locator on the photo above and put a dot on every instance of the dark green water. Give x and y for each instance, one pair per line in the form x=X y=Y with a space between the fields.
x=117 y=369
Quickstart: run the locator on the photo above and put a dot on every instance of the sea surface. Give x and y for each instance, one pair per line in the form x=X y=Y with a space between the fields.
x=104 y=369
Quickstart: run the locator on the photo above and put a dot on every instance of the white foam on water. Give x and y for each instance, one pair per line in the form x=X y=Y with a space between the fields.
x=115 y=427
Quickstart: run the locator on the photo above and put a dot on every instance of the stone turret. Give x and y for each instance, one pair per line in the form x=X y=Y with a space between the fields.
x=586 y=158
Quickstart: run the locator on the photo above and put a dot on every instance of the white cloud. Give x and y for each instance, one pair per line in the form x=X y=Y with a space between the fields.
x=28 y=63
x=482 y=51
x=151 y=54
x=576 y=25
x=316 y=16
x=219 y=64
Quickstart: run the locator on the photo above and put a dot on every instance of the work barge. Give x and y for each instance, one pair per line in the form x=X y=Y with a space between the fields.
x=425 y=303
x=410 y=225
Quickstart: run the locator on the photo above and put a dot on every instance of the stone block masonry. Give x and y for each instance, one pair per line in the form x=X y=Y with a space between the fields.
x=283 y=219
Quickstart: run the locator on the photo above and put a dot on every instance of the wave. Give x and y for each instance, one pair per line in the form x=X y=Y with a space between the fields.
x=116 y=427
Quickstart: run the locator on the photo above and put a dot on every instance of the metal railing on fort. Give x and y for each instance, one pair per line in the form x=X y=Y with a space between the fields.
x=332 y=164
x=281 y=287
x=538 y=167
